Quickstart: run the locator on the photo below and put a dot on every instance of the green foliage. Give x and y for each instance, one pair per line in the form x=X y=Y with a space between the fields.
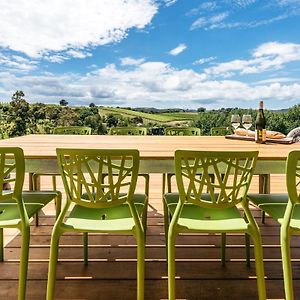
x=151 y=115
x=18 y=117
x=63 y=102
x=276 y=120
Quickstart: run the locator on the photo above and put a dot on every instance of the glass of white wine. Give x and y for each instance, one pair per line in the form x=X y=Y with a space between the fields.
x=247 y=122
x=235 y=121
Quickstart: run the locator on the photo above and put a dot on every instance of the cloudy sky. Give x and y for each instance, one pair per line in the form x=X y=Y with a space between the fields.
x=152 y=53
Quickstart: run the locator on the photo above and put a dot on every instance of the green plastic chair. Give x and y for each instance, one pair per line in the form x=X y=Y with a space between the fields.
x=68 y=130
x=133 y=131
x=128 y=131
x=99 y=186
x=78 y=130
x=285 y=208
x=219 y=131
x=17 y=207
x=182 y=131
x=207 y=205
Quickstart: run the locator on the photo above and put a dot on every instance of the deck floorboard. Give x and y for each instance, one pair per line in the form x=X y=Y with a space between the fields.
x=111 y=272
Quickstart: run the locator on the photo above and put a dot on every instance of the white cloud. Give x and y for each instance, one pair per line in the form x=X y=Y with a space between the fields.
x=129 y=61
x=78 y=53
x=288 y=2
x=251 y=24
x=169 y=2
x=151 y=83
x=38 y=28
x=243 y=3
x=209 y=22
x=180 y=48
x=277 y=80
x=204 y=60
x=203 y=7
x=16 y=63
x=267 y=57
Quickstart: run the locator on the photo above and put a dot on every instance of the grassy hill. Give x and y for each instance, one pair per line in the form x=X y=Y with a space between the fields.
x=156 y=117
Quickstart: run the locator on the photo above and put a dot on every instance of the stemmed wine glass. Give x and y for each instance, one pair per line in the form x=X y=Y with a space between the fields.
x=247 y=122
x=235 y=121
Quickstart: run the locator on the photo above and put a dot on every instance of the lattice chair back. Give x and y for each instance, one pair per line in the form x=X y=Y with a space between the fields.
x=229 y=185
x=220 y=131
x=106 y=178
x=73 y=130
x=128 y=131
x=12 y=169
x=183 y=131
x=293 y=176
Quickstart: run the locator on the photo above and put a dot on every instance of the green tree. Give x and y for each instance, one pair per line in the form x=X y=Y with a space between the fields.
x=112 y=120
x=18 y=114
x=201 y=109
x=67 y=117
x=63 y=102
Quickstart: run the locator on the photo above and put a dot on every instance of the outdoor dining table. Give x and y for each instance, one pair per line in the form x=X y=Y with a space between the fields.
x=156 y=152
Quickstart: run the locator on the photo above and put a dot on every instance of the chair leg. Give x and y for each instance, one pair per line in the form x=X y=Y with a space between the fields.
x=145 y=210
x=144 y=218
x=247 y=245
x=35 y=182
x=1 y=245
x=54 y=182
x=259 y=265
x=140 y=266
x=58 y=200
x=223 y=248
x=24 y=262
x=263 y=217
x=36 y=187
x=286 y=264
x=37 y=219
x=147 y=182
x=85 y=248
x=52 y=264
x=171 y=265
x=169 y=182
x=166 y=225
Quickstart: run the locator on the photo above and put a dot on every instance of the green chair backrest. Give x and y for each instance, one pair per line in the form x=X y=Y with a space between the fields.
x=221 y=131
x=293 y=176
x=128 y=131
x=107 y=177
x=12 y=170
x=73 y=130
x=182 y=131
x=229 y=185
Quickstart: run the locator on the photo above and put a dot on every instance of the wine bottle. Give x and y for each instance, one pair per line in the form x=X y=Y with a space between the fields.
x=260 y=125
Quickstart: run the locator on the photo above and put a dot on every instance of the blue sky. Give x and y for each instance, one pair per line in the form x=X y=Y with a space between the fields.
x=152 y=53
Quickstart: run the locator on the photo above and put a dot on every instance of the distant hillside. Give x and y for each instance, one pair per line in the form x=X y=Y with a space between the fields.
x=153 y=116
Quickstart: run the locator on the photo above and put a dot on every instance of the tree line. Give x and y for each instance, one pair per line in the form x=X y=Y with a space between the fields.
x=18 y=117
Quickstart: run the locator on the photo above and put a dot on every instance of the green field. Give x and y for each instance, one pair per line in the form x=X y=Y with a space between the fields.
x=163 y=117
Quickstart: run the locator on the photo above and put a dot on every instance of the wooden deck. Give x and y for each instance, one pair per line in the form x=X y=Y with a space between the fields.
x=111 y=273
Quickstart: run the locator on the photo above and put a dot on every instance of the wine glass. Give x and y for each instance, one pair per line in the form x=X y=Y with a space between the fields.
x=235 y=121
x=247 y=122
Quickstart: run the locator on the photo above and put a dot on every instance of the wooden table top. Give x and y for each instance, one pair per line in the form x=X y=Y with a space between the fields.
x=40 y=146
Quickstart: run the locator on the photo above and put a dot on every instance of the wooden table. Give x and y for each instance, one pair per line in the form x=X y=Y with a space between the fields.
x=156 y=152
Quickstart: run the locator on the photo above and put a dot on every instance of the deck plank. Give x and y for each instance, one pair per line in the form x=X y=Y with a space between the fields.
x=111 y=273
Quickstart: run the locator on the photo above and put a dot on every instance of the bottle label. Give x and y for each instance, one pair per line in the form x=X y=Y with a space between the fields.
x=264 y=135
x=260 y=135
